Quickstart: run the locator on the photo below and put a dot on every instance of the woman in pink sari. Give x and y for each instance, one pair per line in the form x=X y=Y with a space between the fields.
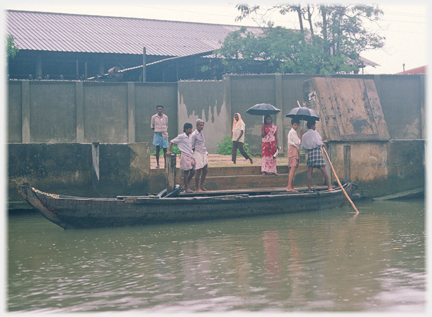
x=269 y=146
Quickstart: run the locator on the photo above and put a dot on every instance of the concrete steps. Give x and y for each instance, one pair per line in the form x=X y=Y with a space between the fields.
x=240 y=177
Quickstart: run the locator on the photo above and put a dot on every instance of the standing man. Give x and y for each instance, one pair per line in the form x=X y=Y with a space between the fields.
x=187 y=161
x=293 y=152
x=200 y=155
x=312 y=143
x=159 y=124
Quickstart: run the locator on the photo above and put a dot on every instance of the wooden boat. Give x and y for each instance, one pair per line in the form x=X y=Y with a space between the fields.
x=71 y=212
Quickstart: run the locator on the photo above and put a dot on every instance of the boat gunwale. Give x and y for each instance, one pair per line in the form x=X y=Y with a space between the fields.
x=208 y=196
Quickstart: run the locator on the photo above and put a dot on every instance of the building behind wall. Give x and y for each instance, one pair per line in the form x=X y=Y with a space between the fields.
x=75 y=47
x=84 y=47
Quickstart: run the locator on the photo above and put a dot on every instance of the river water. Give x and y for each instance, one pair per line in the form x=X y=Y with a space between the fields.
x=324 y=261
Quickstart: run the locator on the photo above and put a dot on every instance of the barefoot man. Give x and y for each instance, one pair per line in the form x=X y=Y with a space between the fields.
x=187 y=161
x=294 y=143
x=159 y=124
x=200 y=154
x=312 y=143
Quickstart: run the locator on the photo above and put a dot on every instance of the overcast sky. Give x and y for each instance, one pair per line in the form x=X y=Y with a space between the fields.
x=404 y=23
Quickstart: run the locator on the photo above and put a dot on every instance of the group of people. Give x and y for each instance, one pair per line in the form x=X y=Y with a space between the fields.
x=194 y=155
x=311 y=142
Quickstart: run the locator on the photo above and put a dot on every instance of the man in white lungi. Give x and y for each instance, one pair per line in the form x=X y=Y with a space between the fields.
x=200 y=154
x=187 y=161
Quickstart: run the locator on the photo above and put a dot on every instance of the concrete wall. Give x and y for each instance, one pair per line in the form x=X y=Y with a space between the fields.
x=51 y=125
x=403 y=102
x=402 y=99
x=380 y=167
x=85 y=112
x=66 y=168
x=204 y=100
x=147 y=96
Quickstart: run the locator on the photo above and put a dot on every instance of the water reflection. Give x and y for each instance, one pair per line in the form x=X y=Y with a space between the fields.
x=331 y=260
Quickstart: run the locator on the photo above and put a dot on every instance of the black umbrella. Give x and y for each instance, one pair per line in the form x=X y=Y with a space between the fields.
x=262 y=109
x=303 y=113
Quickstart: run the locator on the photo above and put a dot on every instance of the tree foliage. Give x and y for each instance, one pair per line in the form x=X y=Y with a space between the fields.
x=331 y=44
x=11 y=48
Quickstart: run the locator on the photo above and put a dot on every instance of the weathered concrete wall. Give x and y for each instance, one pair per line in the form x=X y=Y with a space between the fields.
x=116 y=113
x=402 y=99
x=204 y=100
x=84 y=112
x=147 y=97
x=380 y=168
x=66 y=168
x=403 y=103
x=247 y=91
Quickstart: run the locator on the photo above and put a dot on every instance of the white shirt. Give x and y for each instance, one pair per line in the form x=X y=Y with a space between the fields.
x=198 y=141
x=293 y=139
x=311 y=139
x=237 y=130
x=183 y=143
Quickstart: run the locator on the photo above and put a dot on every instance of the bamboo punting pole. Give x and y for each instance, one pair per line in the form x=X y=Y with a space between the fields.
x=337 y=178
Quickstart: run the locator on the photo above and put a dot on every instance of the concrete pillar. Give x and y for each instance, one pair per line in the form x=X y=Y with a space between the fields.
x=25 y=111
x=422 y=86
x=79 y=100
x=227 y=101
x=95 y=169
x=77 y=69
x=131 y=112
x=279 y=117
x=171 y=171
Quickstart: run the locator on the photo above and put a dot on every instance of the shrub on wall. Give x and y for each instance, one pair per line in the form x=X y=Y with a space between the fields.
x=225 y=147
x=174 y=149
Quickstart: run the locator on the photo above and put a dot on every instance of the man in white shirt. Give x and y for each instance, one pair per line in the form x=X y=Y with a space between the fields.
x=294 y=143
x=187 y=161
x=312 y=143
x=200 y=154
x=238 y=131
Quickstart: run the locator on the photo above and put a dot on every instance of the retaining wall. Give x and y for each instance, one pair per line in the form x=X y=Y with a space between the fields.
x=68 y=168
x=85 y=112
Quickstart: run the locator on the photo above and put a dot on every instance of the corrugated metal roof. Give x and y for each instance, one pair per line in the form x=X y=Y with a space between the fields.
x=99 y=34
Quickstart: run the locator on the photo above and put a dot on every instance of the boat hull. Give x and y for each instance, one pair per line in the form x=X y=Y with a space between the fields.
x=71 y=212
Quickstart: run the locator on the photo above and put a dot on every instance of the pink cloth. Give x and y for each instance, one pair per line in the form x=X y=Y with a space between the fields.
x=268 y=163
x=187 y=161
x=293 y=156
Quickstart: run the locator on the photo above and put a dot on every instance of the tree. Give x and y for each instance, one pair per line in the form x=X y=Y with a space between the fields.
x=331 y=45
x=11 y=48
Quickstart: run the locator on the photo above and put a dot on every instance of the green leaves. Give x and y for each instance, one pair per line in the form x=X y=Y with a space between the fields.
x=340 y=39
x=11 y=48
x=225 y=147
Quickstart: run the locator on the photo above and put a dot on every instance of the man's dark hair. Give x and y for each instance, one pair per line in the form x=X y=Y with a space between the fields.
x=187 y=125
x=295 y=120
x=159 y=106
x=310 y=123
